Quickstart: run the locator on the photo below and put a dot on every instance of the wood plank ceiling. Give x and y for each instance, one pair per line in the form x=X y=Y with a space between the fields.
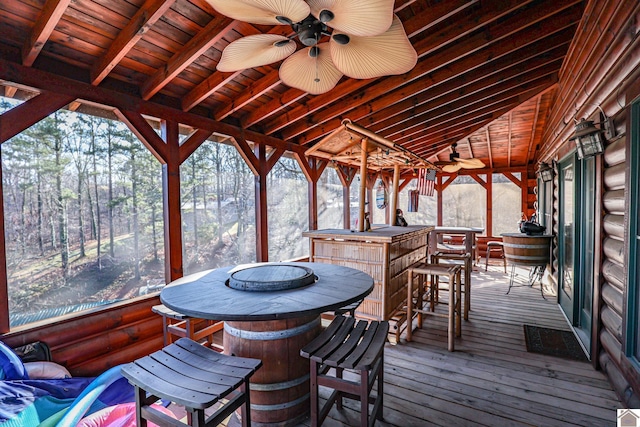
x=485 y=76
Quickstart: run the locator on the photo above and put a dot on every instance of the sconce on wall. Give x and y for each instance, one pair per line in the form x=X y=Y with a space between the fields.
x=546 y=172
x=589 y=139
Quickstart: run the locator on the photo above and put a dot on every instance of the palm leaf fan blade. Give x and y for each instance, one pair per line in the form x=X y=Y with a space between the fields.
x=451 y=168
x=314 y=75
x=471 y=163
x=262 y=12
x=390 y=53
x=356 y=17
x=255 y=51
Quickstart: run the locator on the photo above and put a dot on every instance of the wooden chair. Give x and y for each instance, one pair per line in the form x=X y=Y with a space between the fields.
x=416 y=297
x=465 y=261
x=498 y=247
x=196 y=377
x=350 y=309
x=180 y=325
x=351 y=346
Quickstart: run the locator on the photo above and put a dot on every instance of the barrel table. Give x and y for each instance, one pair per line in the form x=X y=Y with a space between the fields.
x=532 y=251
x=271 y=310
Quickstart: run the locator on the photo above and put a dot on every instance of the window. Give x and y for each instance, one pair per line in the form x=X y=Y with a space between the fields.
x=288 y=210
x=218 y=209
x=506 y=203
x=83 y=216
x=464 y=203
x=330 y=200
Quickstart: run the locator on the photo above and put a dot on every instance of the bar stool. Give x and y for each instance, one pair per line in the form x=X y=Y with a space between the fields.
x=433 y=272
x=183 y=326
x=347 y=345
x=495 y=246
x=466 y=263
x=196 y=377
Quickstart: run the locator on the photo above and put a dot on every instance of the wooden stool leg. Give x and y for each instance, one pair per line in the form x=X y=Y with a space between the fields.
x=467 y=289
x=458 y=293
x=410 y=305
x=364 y=397
x=314 y=394
x=452 y=313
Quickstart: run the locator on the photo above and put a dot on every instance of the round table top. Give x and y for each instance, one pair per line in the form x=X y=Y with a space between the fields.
x=206 y=295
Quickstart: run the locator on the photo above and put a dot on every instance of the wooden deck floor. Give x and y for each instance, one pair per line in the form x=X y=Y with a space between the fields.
x=491 y=379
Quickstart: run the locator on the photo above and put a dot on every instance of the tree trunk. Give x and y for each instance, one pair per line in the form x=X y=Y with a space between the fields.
x=110 y=201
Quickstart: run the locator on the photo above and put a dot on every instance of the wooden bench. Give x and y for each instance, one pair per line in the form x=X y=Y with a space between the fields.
x=180 y=325
x=351 y=346
x=195 y=377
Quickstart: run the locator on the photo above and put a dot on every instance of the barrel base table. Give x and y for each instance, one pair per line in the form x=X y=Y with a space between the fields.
x=270 y=310
x=524 y=250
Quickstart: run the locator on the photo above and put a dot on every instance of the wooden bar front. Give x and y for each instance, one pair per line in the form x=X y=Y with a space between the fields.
x=385 y=253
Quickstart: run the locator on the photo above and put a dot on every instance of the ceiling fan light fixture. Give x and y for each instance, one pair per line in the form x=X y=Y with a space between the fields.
x=326 y=16
x=284 y=20
x=262 y=12
x=389 y=53
x=341 y=39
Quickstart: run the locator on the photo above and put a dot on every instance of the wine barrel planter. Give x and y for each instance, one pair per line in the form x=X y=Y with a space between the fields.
x=521 y=249
x=280 y=390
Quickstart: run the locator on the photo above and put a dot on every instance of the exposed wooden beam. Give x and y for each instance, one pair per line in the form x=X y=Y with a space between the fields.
x=211 y=84
x=215 y=30
x=259 y=88
x=534 y=125
x=42 y=80
x=25 y=115
x=488 y=133
x=510 y=119
x=150 y=12
x=46 y=22
x=191 y=144
x=146 y=134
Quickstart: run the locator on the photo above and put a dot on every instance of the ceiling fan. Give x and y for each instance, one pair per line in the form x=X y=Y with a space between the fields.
x=455 y=163
x=365 y=40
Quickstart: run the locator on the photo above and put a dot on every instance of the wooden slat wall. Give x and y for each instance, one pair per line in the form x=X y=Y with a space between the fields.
x=89 y=343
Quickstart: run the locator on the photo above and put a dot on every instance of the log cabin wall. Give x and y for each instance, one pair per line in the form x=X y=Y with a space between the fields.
x=87 y=344
x=602 y=63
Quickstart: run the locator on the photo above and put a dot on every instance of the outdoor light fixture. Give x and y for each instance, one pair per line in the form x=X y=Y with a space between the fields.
x=589 y=139
x=546 y=172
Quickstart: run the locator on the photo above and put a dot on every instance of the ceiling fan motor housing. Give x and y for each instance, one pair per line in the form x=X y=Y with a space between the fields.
x=309 y=31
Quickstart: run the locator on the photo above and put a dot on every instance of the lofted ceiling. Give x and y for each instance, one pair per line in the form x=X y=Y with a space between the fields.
x=485 y=78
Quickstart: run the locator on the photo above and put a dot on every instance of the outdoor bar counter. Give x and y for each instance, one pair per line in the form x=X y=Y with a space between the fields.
x=385 y=253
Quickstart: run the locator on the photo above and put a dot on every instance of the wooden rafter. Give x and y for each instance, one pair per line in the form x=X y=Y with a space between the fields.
x=488 y=134
x=211 y=34
x=47 y=21
x=142 y=21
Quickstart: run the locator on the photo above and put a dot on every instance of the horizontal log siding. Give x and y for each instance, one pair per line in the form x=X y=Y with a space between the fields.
x=611 y=357
x=89 y=343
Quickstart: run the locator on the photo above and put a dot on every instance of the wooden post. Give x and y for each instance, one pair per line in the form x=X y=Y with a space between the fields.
x=440 y=191
x=394 y=195
x=171 y=203
x=363 y=184
x=4 y=286
x=489 y=225
x=262 y=226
